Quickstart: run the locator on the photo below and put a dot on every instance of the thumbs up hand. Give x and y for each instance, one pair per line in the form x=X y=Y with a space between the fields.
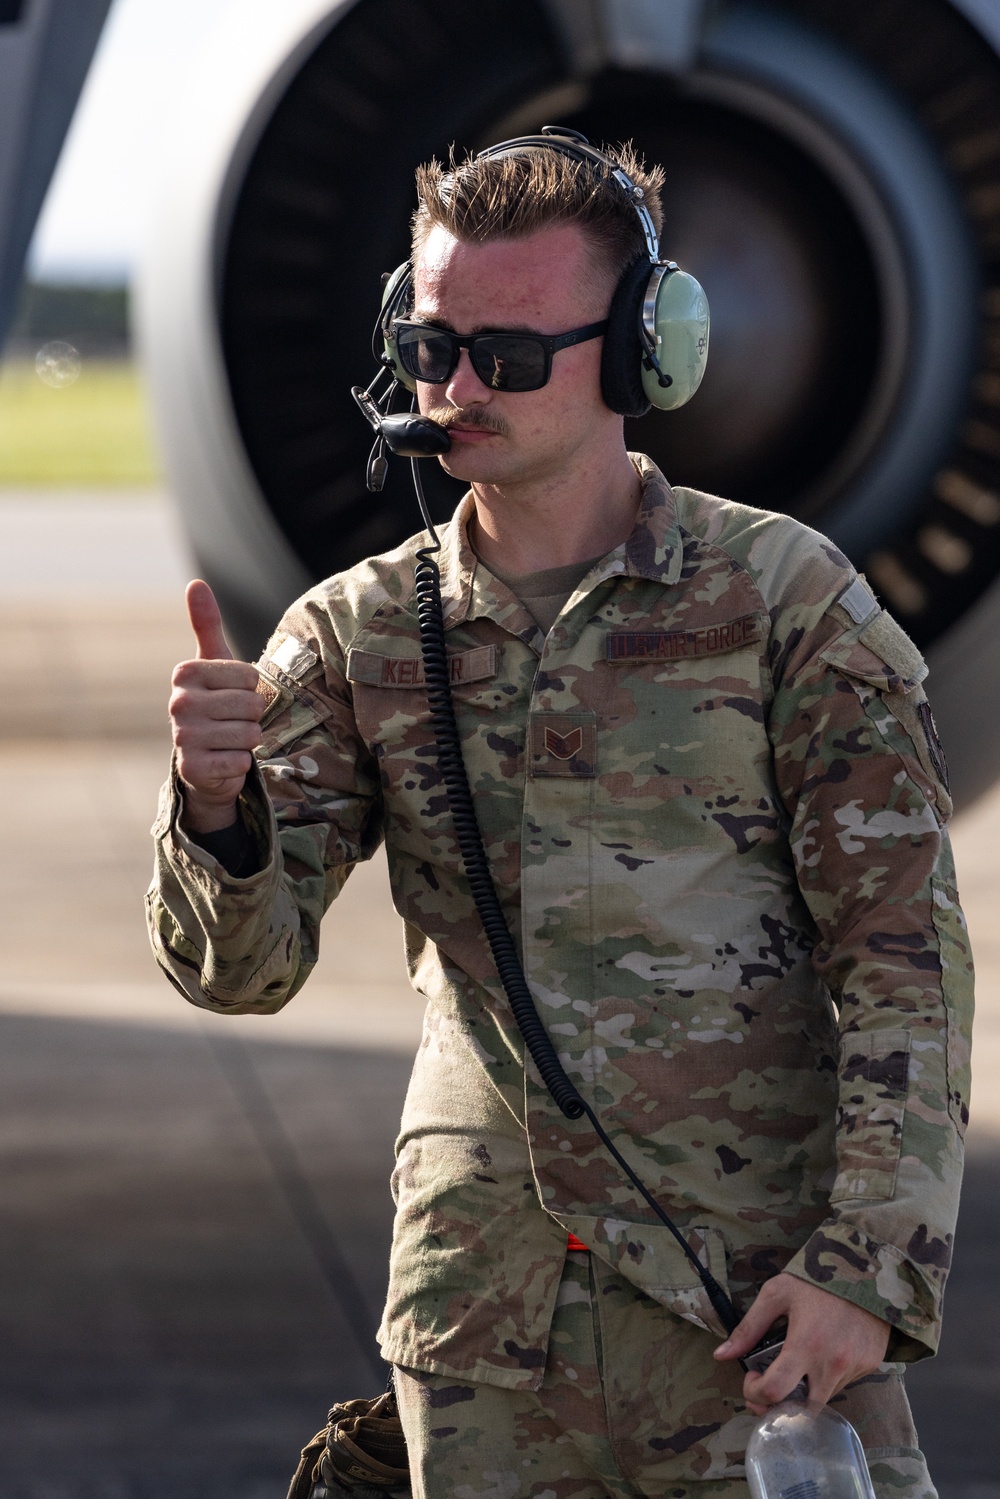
x=206 y=622
x=215 y=711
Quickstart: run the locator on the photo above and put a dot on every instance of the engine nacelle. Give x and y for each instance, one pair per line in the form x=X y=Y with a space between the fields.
x=831 y=184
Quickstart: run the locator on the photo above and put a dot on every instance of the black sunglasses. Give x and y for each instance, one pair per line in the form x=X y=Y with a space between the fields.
x=503 y=361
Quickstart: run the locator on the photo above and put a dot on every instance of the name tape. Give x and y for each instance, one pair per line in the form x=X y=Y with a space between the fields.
x=375 y=670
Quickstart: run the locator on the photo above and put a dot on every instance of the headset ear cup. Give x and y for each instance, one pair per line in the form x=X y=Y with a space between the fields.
x=621 y=362
x=396 y=297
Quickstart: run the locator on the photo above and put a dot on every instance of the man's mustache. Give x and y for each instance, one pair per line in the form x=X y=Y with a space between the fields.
x=472 y=421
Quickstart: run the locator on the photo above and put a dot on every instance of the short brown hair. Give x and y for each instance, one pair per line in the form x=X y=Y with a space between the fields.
x=509 y=197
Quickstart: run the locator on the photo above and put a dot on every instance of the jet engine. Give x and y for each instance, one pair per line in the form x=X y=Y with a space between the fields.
x=833 y=179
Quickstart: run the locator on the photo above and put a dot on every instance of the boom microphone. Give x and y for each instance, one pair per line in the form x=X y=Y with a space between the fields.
x=405 y=433
x=410 y=436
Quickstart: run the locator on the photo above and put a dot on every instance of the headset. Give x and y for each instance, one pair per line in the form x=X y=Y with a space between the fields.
x=655 y=346
x=655 y=349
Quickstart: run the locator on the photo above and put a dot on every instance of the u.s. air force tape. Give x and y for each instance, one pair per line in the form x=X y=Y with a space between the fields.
x=674 y=645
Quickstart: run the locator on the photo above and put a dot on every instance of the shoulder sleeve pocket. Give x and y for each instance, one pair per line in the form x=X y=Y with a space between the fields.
x=886 y=670
x=912 y=714
x=290 y=711
x=879 y=653
x=891 y=644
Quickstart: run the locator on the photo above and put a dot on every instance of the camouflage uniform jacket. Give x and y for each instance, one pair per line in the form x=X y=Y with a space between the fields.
x=713 y=801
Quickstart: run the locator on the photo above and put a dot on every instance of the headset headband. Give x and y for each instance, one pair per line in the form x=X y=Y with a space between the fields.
x=577 y=147
x=657 y=342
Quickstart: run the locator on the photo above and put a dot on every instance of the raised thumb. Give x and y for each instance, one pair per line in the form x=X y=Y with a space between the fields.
x=206 y=622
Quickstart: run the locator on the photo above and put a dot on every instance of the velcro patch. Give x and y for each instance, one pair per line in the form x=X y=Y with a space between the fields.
x=375 y=670
x=563 y=744
x=293 y=658
x=676 y=645
x=858 y=600
x=893 y=646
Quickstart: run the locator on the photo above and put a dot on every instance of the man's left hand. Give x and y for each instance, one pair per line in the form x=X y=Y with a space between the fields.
x=830 y=1342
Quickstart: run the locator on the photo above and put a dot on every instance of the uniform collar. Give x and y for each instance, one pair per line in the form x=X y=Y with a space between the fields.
x=653 y=551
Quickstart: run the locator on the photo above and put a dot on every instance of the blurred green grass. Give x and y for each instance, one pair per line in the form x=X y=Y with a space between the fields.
x=95 y=432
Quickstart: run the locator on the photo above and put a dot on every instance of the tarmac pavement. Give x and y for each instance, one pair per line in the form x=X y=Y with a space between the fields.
x=195 y=1220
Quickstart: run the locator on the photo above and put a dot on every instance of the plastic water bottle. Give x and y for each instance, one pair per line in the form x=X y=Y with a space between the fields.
x=802 y=1450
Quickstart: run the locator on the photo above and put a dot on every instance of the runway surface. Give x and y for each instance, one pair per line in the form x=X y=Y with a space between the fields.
x=195 y=1219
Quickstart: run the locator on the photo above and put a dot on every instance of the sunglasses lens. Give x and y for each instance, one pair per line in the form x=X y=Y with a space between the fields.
x=425 y=353
x=513 y=361
x=509 y=362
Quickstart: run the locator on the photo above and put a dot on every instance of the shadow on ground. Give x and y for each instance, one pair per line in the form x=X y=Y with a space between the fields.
x=194 y=1233
x=194 y=1237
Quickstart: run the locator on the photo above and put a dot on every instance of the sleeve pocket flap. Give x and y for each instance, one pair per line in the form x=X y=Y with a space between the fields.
x=880 y=654
x=874 y=1083
x=288 y=713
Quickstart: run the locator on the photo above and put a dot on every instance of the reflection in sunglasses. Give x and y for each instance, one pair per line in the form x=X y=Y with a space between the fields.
x=432 y=354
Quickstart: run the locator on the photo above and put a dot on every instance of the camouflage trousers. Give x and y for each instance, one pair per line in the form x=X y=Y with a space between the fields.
x=632 y=1405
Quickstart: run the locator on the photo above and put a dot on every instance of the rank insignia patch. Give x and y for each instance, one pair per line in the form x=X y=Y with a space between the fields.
x=563 y=744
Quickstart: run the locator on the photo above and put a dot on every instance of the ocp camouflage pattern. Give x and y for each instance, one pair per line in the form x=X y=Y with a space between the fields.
x=631 y=1403
x=713 y=802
